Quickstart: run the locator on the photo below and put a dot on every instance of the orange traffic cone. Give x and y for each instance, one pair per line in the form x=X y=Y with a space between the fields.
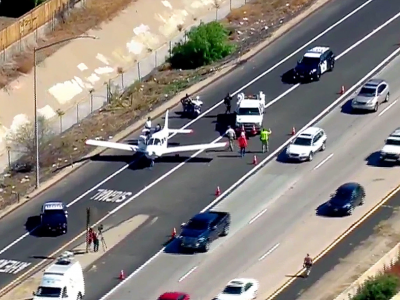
x=253 y=130
x=218 y=191
x=293 y=131
x=255 y=162
x=173 y=234
x=342 y=90
x=121 y=275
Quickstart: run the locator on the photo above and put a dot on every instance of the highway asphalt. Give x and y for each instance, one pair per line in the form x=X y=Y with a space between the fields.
x=191 y=187
x=275 y=211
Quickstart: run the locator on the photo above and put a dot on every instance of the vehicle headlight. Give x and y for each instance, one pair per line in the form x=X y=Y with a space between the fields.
x=313 y=70
x=202 y=239
x=303 y=154
x=346 y=205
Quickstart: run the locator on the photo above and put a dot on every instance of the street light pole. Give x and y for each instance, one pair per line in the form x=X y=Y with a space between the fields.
x=36 y=49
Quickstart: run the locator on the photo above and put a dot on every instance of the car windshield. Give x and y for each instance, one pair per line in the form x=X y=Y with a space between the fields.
x=310 y=61
x=342 y=195
x=233 y=290
x=197 y=225
x=393 y=142
x=52 y=212
x=367 y=92
x=302 y=141
x=249 y=111
x=49 y=292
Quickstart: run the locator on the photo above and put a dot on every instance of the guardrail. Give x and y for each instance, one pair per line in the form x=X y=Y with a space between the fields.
x=33 y=20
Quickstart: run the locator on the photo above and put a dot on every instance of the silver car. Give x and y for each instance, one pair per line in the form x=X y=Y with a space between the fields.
x=372 y=94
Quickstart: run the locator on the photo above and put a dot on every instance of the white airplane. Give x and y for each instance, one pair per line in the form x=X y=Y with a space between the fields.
x=156 y=144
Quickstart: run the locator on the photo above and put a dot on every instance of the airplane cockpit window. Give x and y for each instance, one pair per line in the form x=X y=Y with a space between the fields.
x=154 y=141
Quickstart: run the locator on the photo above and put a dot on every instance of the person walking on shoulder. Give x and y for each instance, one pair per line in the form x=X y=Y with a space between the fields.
x=242 y=144
x=231 y=135
x=264 y=137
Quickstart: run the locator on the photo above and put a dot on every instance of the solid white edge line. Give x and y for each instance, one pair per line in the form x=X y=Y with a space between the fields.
x=258 y=215
x=324 y=161
x=269 y=252
x=387 y=108
x=187 y=274
x=256 y=168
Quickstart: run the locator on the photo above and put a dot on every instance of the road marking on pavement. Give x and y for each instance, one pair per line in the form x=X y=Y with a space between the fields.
x=187 y=274
x=263 y=162
x=104 y=195
x=337 y=240
x=324 y=161
x=258 y=215
x=10 y=266
x=167 y=174
x=387 y=108
x=269 y=252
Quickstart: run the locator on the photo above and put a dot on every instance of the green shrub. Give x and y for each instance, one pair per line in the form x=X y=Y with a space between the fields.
x=205 y=44
x=382 y=287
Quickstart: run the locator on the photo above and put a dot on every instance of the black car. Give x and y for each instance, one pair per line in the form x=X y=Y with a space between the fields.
x=314 y=63
x=346 y=198
x=54 y=217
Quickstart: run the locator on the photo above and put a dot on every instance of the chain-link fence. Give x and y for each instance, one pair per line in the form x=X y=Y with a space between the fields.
x=98 y=98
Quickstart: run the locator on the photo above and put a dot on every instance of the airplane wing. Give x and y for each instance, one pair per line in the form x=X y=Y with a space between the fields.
x=194 y=147
x=113 y=145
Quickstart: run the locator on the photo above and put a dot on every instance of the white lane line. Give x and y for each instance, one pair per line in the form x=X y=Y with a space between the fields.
x=324 y=161
x=258 y=215
x=269 y=252
x=187 y=274
x=387 y=108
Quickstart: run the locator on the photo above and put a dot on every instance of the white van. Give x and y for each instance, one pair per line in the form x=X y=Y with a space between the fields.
x=62 y=280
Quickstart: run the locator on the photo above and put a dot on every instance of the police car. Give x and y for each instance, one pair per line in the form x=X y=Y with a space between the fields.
x=314 y=63
x=54 y=217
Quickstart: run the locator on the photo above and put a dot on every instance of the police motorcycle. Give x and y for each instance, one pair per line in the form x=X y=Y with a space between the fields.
x=191 y=107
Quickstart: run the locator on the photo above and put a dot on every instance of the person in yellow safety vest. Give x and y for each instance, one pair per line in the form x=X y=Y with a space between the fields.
x=264 y=137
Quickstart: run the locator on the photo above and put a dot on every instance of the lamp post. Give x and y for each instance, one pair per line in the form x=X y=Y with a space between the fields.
x=36 y=49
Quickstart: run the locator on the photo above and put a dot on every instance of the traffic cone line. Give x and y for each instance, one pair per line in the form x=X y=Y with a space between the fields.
x=253 y=130
x=255 y=160
x=121 y=275
x=218 y=191
x=342 y=90
x=293 y=130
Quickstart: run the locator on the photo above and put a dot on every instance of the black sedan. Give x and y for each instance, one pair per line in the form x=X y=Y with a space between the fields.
x=346 y=198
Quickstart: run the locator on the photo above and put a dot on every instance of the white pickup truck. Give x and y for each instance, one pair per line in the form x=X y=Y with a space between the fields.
x=250 y=113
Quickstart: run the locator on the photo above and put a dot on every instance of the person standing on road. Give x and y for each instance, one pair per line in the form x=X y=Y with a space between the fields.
x=264 y=138
x=96 y=242
x=227 y=102
x=242 y=144
x=231 y=135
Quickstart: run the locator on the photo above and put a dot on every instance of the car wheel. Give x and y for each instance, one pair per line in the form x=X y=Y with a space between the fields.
x=310 y=156
x=225 y=232
x=206 y=247
x=376 y=107
x=323 y=147
x=387 y=97
x=350 y=211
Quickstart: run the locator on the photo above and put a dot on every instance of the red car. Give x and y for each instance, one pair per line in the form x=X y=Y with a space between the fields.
x=174 y=296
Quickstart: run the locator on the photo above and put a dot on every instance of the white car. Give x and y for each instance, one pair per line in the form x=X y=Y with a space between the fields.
x=306 y=144
x=239 y=289
x=391 y=149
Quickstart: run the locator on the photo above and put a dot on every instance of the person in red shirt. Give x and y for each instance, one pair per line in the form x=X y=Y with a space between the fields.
x=242 y=144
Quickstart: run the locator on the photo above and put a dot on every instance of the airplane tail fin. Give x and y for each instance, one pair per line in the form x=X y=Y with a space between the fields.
x=174 y=131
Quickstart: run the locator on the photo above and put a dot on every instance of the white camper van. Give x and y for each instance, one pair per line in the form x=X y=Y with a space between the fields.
x=62 y=280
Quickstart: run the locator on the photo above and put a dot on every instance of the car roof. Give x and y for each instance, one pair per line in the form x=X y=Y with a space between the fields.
x=310 y=132
x=349 y=186
x=316 y=51
x=52 y=205
x=205 y=217
x=373 y=83
x=239 y=282
x=249 y=104
x=172 y=295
